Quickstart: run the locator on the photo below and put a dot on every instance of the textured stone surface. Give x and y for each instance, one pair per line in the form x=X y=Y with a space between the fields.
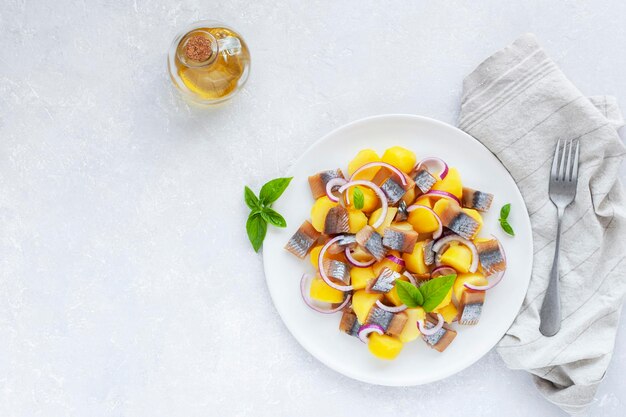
x=123 y=257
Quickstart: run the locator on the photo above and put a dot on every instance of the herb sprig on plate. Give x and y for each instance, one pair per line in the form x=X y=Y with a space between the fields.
x=429 y=295
x=261 y=212
x=504 y=223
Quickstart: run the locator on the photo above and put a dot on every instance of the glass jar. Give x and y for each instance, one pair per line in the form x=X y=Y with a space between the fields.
x=208 y=62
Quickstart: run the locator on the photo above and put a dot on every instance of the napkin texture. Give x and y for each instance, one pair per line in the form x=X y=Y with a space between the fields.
x=518 y=104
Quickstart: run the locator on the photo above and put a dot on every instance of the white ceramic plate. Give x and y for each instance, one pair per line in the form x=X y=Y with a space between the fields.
x=417 y=363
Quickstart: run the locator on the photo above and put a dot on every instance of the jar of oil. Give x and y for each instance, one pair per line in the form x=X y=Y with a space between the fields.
x=208 y=62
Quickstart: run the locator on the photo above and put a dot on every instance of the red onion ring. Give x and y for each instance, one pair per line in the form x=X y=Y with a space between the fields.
x=320 y=266
x=377 y=190
x=442 y=270
x=395 y=260
x=335 y=182
x=432 y=330
x=354 y=262
x=307 y=300
x=494 y=281
x=391 y=309
x=441 y=243
x=410 y=277
x=395 y=170
x=437 y=233
x=366 y=329
x=429 y=162
x=444 y=194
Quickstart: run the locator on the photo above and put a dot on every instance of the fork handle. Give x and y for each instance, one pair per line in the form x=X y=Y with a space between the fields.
x=550 y=314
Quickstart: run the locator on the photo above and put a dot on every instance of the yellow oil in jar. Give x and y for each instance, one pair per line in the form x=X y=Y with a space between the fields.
x=210 y=62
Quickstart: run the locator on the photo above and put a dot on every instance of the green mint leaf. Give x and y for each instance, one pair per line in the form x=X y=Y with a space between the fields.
x=256 y=227
x=409 y=294
x=504 y=211
x=435 y=290
x=273 y=189
x=250 y=198
x=507 y=227
x=358 y=198
x=273 y=218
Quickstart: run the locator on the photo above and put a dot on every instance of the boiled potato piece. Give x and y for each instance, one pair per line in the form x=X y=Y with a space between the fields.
x=411 y=331
x=449 y=312
x=383 y=346
x=458 y=257
x=364 y=157
x=403 y=226
x=357 y=220
x=451 y=183
x=461 y=279
x=320 y=291
x=362 y=303
x=415 y=260
x=401 y=158
x=315 y=254
x=360 y=276
x=391 y=213
x=319 y=211
x=409 y=196
x=424 y=201
x=370 y=199
x=423 y=221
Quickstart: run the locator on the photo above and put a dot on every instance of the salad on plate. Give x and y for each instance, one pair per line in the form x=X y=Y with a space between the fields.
x=397 y=250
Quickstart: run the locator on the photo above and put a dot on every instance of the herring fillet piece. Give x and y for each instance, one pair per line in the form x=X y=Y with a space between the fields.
x=392 y=190
x=371 y=241
x=337 y=269
x=391 y=323
x=458 y=221
x=303 y=240
x=471 y=307
x=383 y=283
x=476 y=200
x=400 y=240
x=491 y=258
x=337 y=221
x=424 y=180
x=318 y=182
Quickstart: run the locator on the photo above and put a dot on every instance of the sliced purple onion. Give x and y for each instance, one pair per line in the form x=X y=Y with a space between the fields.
x=439 y=230
x=395 y=309
x=395 y=170
x=410 y=277
x=335 y=182
x=444 y=241
x=429 y=332
x=354 y=262
x=366 y=329
x=435 y=166
x=442 y=270
x=395 y=260
x=377 y=190
x=320 y=266
x=307 y=300
x=444 y=194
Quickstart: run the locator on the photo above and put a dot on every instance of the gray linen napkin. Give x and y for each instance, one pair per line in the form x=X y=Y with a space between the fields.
x=518 y=103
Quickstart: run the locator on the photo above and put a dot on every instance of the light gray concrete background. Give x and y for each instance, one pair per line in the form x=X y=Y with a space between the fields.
x=127 y=285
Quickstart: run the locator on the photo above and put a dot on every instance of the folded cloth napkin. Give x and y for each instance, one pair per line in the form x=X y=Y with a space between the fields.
x=518 y=103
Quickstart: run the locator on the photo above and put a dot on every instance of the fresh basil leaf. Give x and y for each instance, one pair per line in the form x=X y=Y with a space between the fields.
x=256 y=227
x=251 y=199
x=409 y=294
x=273 y=189
x=272 y=217
x=435 y=290
x=358 y=198
x=504 y=211
x=507 y=227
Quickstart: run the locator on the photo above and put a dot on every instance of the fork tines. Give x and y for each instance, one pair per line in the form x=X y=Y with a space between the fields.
x=564 y=164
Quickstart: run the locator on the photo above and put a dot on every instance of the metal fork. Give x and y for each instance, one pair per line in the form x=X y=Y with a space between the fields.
x=563 y=181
